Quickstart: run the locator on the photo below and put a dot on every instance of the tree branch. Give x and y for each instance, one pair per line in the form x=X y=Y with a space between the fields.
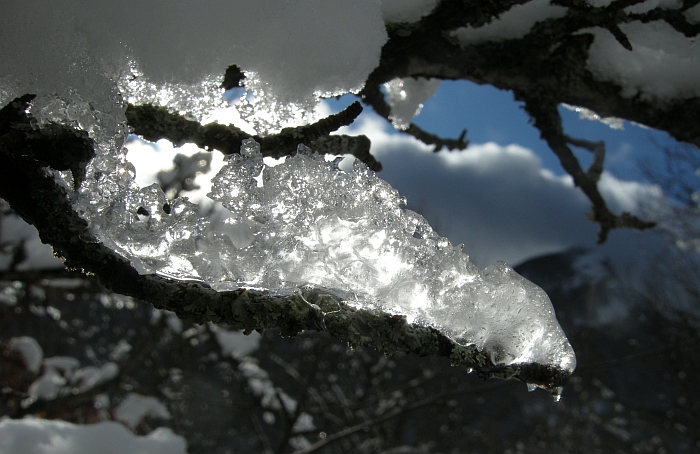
x=549 y=62
x=373 y=96
x=154 y=123
x=546 y=118
x=430 y=400
x=45 y=204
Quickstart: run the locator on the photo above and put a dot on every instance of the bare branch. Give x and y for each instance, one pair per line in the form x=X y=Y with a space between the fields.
x=548 y=121
x=372 y=96
x=431 y=400
x=154 y=123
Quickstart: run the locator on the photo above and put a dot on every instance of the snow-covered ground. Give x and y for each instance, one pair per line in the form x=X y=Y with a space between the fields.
x=40 y=436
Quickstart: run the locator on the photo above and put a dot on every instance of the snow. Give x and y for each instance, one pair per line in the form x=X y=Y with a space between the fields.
x=646 y=70
x=10 y=293
x=663 y=64
x=91 y=376
x=693 y=14
x=135 y=407
x=513 y=24
x=30 y=351
x=235 y=343
x=599 y=3
x=14 y=230
x=260 y=385
x=65 y=365
x=39 y=436
x=648 y=5
x=120 y=350
x=407 y=11
x=46 y=387
x=63 y=375
x=167 y=51
x=406 y=97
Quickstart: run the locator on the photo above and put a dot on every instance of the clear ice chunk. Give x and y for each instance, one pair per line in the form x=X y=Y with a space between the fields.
x=406 y=98
x=310 y=223
x=305 y=222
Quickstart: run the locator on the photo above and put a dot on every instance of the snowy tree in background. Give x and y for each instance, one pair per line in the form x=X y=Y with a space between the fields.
x=300 y=244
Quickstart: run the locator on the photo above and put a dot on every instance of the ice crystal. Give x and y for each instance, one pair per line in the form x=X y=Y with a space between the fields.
x=306 y=222
x=406 y=97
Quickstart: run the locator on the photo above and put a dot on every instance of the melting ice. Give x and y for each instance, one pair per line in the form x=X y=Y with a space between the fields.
x=306 y=222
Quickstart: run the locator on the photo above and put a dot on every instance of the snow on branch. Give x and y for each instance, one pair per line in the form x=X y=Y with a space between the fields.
x=496 y=323
x=579 y=55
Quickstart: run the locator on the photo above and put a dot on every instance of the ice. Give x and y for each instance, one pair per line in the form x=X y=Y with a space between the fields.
x=304 y=222
x=313 y=224
x=406 y=97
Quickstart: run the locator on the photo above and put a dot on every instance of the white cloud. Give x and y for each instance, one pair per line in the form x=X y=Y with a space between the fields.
x=497 y=200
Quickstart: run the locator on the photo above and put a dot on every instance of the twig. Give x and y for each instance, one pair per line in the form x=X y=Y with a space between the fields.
x=372 y=96
x=432 y=400
x=546 y=118
x=154 y=123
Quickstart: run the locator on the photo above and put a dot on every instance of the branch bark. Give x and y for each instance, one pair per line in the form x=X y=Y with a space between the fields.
x=154 y=123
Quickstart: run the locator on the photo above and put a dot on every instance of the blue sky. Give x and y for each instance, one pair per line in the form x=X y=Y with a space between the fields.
x=492 y=115
x=507 y=197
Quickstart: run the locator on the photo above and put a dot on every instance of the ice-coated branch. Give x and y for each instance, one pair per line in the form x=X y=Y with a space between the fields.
x=547 y=119
x=44 y=203
x=154 y=123
x=59 y=147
